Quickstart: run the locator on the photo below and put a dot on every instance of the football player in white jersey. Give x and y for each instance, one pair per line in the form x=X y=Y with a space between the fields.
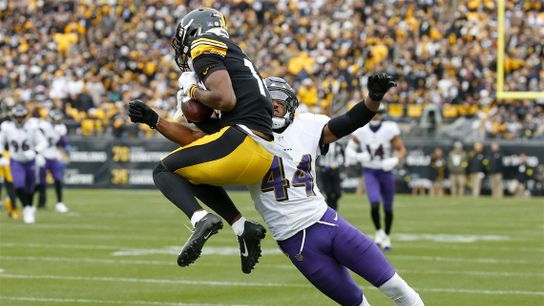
x=25 y=143
x=378 y=141
x=55 y=132
x=319 y=241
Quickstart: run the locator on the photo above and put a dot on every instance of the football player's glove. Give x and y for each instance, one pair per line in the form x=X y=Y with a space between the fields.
x=139 y=112
x=379 y=84
x=40 y=161
x=187 y=82
x=389 y=163
x=29 y=154
x=363 y=157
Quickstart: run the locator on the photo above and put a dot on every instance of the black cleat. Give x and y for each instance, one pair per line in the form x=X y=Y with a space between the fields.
x=250 y=245
x=207 y=226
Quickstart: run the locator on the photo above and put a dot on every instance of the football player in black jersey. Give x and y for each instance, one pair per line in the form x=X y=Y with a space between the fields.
x=232 y=151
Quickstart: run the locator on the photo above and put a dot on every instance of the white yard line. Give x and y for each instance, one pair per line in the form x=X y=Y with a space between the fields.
x=249 y=284
x=94 y=302
x=401 y=244
x=116 y=261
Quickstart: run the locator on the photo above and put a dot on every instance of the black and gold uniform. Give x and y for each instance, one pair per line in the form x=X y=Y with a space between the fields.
x=228 y=156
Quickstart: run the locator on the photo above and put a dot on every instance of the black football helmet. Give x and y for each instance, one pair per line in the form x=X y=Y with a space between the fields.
x=194 y=24
x=280 y=90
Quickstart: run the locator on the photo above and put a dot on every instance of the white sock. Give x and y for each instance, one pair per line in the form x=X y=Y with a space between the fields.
x=365 y=302
x=399 y=291
x=238 y=226
x=197 y=215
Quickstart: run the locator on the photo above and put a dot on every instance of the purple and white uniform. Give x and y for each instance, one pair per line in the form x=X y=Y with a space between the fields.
x=319 y=241
x=376 y=141
x=23 y=142
x=56 y=136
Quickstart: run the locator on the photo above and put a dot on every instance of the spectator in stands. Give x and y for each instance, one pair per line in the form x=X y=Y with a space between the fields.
x=439 y=58
x=438 y=172
x=476 y=168
x=457 y=164
x=495 y=170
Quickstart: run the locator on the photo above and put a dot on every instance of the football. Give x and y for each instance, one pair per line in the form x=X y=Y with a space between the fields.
x=195 y=111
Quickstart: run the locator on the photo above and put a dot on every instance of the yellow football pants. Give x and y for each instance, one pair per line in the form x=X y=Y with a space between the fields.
x=227 y=157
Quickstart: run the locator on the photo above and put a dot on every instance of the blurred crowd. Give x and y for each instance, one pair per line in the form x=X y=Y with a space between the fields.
x=89 y=58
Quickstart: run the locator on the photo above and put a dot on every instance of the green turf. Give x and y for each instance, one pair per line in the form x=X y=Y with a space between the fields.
x=119 y=248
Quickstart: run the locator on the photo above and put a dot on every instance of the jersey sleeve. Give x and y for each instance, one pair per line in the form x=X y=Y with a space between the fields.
x=315 y=124
x=394 y=130
x=208 y=54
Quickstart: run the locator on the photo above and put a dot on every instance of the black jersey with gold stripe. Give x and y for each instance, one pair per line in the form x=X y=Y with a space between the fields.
x=253 y=109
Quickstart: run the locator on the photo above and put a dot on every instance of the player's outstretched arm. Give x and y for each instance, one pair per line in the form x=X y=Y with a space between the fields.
x=179 y=133
x=362 y=112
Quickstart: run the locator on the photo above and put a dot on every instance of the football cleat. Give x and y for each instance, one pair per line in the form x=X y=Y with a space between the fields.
x=386 y=244
x=29 y=215
x=61 y=208
x=379 y=238
x=250 y=245
x=209 y=225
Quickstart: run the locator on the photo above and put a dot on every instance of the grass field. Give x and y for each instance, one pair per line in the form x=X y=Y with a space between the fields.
x=120 y=248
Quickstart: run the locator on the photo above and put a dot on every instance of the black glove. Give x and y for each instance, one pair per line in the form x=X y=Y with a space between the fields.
x=379 y=84
x=138 y=111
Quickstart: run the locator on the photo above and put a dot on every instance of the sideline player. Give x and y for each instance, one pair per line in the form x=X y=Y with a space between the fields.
x=25 y=143
x=237 y=152
x=55 y=133
x=377 y=141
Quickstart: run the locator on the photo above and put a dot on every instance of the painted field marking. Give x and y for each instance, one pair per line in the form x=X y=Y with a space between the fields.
x=94 y=302
x=249 y=284
x=117 y=261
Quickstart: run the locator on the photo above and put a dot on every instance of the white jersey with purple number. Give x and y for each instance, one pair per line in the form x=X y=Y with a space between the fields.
x=20 y=139
x=53 y=134
x=288 y=198
x=377 y=142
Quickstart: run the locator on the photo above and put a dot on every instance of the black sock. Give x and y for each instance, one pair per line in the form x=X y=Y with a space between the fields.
x=375 y=213
x=58 y=190
x=177 y=189
x=388 y=221
x=11 y=194
x=218 y=200
x=41 y=195
x=23 y=196
x=332 y=201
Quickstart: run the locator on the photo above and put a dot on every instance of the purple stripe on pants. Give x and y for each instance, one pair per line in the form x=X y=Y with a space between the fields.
x=328 y=253
x=24 y=175
x=380 y=185
x=55 y=167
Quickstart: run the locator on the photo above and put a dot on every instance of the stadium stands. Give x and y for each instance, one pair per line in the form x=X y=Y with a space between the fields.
x=85 y=56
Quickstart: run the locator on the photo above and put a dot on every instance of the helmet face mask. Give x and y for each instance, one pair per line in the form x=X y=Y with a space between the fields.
x=19 y=114
x=194 y=24
x=283 y=93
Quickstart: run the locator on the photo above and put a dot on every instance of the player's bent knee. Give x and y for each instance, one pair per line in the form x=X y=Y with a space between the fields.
x=157 y=171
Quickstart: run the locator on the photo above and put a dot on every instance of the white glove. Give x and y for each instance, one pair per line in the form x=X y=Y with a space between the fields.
x=363 y=157
x=389 y=163
x=180 y=98
x=4 y=162
x=30 y=154
x=185 y=81
x=40 y=160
